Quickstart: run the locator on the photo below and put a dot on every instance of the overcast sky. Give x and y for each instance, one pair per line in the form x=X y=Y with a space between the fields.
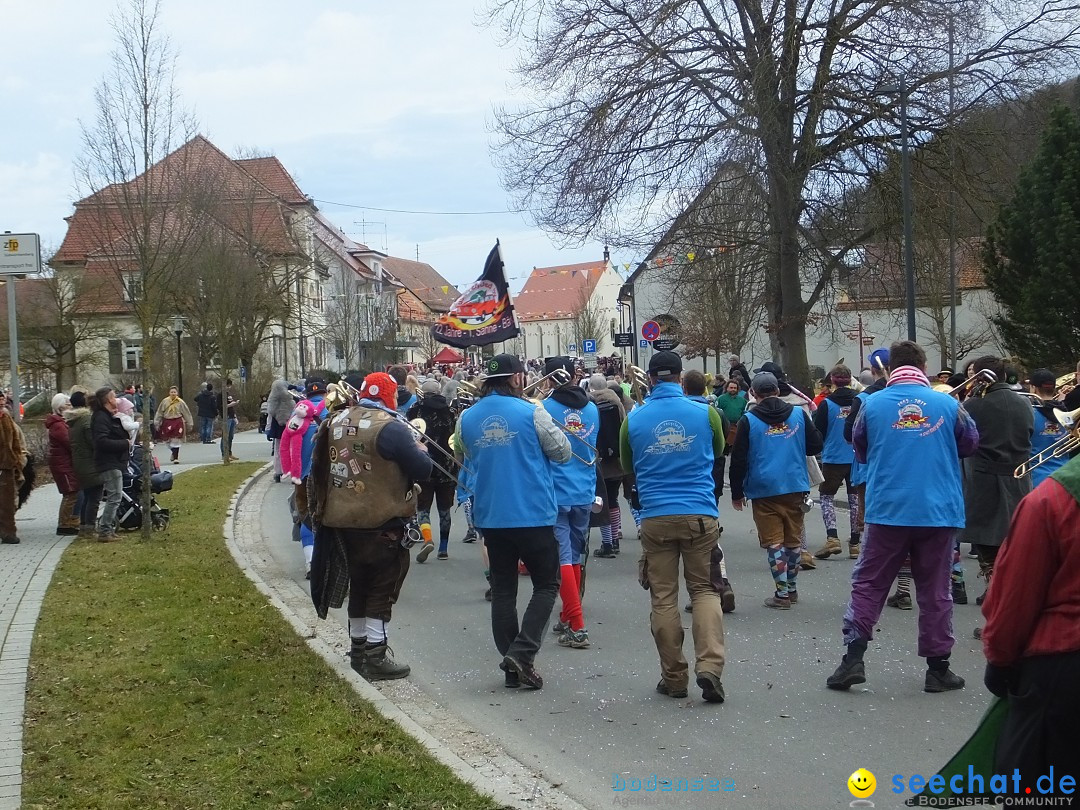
x=382 y=104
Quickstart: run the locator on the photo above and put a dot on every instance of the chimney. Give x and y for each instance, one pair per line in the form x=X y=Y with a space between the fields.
x=607 y=255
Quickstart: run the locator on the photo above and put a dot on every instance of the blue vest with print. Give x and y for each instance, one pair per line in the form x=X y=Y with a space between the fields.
x=858 y=469
x=1046 y=433
x=913 y=470
x=575 y=482
x=836 y=449
x=512 y=483
x=777 y=457
x=671 y=440
x=307 y=444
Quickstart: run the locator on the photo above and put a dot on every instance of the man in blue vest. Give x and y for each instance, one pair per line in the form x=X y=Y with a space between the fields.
x=1047 y=429
x=911 y=438
x=836 y=458
x=509 y=445
x=768 y=467
x=575 y=492
x=670 y=444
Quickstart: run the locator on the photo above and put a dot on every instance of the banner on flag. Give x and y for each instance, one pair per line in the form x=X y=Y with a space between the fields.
x=484 y=313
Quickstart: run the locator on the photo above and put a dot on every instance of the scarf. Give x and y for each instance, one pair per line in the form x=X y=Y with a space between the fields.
x=171 y=407
x=907 y=375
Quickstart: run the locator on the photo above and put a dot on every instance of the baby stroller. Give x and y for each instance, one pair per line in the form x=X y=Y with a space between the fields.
x=129 y=516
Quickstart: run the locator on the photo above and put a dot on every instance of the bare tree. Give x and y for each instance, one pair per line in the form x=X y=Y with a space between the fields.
x=345 y=317
x=588 y=321
x=632 y=103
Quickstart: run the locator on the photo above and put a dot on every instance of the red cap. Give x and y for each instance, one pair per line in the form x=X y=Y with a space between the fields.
x=380 y=386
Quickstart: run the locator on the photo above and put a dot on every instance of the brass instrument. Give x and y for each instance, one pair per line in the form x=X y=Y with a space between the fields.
x=1065 y=384
x=983 y=378
x=560 y=376
x=1062 y=447
x=639 y=383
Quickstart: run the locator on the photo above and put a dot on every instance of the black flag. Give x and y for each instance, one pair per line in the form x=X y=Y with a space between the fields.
x=483 y=314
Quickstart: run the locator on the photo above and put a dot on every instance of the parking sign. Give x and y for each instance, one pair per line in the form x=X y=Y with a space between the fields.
x=588 y=345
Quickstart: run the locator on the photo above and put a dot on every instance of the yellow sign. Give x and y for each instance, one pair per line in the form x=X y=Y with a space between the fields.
x=11 y=245
x=862 y=784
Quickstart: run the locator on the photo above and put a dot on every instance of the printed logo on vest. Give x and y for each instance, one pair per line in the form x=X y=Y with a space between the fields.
x=670 y=438
x=844 y=411
x=496 y=433
x=779 y=429
x=573 y=422
x=911 y=416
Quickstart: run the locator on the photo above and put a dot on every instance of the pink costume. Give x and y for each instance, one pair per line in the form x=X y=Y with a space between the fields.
x=292 y=439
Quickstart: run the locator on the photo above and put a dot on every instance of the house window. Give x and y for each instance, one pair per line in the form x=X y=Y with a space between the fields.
x=132 y=286
x=277 y=350
x=339 y=350
x=132 y=355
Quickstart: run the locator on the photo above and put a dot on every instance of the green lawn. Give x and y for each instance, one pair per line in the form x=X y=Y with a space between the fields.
x=159 y=677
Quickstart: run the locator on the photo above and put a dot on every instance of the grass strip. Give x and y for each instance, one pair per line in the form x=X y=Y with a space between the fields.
x=159 y=677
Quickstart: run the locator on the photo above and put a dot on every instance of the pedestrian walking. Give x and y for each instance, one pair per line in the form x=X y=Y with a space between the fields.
x=61 y=465
x=440 y=423
x=837 y=456
x=611 y=413
x=670 y=444
x=172 y=422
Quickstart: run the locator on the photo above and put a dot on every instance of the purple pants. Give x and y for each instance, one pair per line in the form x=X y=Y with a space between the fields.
x=883 y=553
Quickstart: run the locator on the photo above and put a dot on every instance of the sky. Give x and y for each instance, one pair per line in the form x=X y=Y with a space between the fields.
x=379 y=104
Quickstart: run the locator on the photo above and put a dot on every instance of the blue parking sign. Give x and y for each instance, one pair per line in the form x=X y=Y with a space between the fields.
x=588 y=345
x=643 y=343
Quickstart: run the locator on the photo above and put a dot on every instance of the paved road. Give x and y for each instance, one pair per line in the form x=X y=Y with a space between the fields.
x=781 y=738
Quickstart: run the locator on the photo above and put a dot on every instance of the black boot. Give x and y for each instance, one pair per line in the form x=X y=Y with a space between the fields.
x=939 y=678
x=959 y=593
x=851 y=670
x=356 y=655
x=379 y=664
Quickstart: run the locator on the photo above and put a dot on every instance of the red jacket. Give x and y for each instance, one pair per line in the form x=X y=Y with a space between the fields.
x=1033 y=607
x=59 y=458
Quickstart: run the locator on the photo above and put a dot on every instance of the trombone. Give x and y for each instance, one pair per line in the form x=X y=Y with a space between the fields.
x=639 y=383
x=560 y=376
x=981 y=377
x=1062 y=447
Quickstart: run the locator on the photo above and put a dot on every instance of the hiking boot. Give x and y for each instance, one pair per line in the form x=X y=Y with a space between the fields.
x=109 y=536
x=10 y=541
x=526 y=673
x=942 y=681
x=605 y=552
x=470 y=536
x=425 y=552
x=356 y=655
x=831 y=547
x=67 y=531
x=379 y=664
x=576 y=639
x=853 y=551
x=779 y=603
x=899 y=600
x=959 y=593
x=615 y=546
x=806 y=562
x=511 y=681
x=711 y=688
x=671 y=691
x=86 y=533
x=792 y=596
x=559 y=628
x=847 y=675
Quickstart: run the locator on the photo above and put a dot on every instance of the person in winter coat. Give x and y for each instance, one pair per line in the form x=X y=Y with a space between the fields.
x=172 y=420
x=12 y=463
x=280 y=406
x=61 y=465
x=82 y=460
x=435 y=410
x=112 y=452
x=206 y=401
x=612 y=413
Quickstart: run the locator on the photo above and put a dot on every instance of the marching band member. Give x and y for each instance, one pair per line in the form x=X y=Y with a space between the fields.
x=836 y=458
x=612 y=414
x=910 y=437
x=879 y=363
x=768 y=467
x=991 y=493
x=670 y=443
x=363 y=468
x=508 y=442
x=1047 y=430
x=575 y=491
x=440 y=424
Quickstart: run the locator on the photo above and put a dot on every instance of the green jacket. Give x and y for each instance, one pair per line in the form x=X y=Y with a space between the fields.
x=733 y=407
x=82 y=448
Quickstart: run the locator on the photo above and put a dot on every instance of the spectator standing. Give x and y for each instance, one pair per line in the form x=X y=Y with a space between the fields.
x=82 y=459
x=61 y=465
x=111 y=455
x=228 y=427
x=280 y=404
x=206 y=404
x=12 y=462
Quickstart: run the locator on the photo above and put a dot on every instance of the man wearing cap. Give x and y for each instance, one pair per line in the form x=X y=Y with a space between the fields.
x=364 y=467
x=670 y=444
x=836 y=458
x=440 y=422
x=768 y=468
x=1047 y=430
x=575 y=491
x=315 y=391
x=509 y=445
x=910 y=438
x=942 y=380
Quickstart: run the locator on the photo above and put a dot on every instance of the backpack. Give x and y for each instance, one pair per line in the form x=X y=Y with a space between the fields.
x=607 y=438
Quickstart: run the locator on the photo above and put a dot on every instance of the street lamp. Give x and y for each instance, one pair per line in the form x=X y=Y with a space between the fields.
x=178 y=330
x=900 y=89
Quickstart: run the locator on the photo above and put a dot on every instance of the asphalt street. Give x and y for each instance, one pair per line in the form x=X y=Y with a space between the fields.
x=781 y=740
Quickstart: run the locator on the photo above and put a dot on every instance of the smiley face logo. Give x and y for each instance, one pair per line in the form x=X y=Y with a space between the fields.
x=862 y=784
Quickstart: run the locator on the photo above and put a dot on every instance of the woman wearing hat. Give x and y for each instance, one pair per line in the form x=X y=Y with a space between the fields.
x=61 y=465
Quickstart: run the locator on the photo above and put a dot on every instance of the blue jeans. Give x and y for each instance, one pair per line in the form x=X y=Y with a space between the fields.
x=113 y=481
x=206 y=429
x=230 y=425
x=571 y=529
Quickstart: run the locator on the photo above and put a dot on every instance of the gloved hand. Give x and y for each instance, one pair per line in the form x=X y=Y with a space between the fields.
x=999 y=679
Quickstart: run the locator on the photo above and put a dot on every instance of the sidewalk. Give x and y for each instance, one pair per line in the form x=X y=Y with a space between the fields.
x=25 y=572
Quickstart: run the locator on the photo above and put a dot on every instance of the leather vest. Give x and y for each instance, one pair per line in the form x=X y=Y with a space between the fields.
x=364 y=490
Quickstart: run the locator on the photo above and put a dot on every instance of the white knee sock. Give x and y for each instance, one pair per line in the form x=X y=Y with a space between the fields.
x=358 y=627
x=376 y=631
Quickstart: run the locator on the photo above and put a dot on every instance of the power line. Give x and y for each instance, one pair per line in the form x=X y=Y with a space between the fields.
x=427 y=213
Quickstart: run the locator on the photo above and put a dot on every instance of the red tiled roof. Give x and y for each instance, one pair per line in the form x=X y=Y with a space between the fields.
x=270 y=172
x=557 y=292
x=423 y=281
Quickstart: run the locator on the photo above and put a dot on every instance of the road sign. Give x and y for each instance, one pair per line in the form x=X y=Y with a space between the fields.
x=20 y=254
x=571 y=349
x=590 y=359
x=624 y=340
x=665 y=344
x=643 y=344
x=650 y=330
x=588 y=345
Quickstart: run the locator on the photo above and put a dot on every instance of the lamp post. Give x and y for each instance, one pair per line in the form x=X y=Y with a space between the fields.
x=900 y=89
x=178 y=330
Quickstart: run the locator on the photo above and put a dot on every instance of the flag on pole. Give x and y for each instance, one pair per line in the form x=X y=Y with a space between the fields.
x=484 y=313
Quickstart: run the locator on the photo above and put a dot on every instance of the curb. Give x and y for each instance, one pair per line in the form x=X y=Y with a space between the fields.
x=384 y=705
